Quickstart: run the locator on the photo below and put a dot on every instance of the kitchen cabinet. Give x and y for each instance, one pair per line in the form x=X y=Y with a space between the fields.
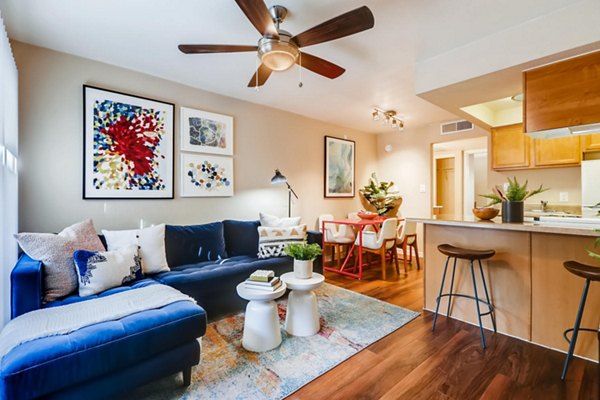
x=564 y=151
x=562 y=94
x=510 y=147
x=513 y=149
x=590 y=142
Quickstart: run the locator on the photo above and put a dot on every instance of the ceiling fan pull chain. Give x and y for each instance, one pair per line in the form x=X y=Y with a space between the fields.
x=300 y=70
x=256 y=75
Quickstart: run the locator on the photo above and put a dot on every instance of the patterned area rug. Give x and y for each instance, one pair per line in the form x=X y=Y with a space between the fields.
x=349 y=323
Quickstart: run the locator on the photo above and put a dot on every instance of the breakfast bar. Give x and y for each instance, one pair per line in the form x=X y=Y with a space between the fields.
x=535 y=297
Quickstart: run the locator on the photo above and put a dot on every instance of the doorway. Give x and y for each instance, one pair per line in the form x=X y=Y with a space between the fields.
x=459 y=175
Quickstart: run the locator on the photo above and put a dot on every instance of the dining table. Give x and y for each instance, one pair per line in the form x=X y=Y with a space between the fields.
x=359 y=225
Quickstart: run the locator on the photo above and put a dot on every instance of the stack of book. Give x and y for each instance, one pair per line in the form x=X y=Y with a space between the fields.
x=263 y=280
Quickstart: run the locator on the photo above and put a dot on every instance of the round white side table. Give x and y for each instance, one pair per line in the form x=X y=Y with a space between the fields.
x=302 y=317
x=261 y=321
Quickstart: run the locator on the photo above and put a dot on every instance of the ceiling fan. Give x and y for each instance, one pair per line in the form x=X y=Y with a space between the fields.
x=278 y=50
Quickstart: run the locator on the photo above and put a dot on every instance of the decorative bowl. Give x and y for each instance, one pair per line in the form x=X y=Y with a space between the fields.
x=367 y=215
x=485 y=213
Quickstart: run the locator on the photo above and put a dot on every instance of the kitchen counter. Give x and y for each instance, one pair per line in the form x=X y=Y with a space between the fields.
x=569 y=227
x=534 y=296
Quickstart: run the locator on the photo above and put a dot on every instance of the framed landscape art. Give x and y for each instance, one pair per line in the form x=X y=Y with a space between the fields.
x=205 y=132
x=206 y=176
x=128 y=146
x=339 y=167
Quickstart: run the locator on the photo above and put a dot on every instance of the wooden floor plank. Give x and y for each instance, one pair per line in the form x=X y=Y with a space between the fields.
x=416 y=363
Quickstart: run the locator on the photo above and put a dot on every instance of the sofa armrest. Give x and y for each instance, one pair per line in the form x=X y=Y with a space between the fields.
x=316 y=237
x=26 y=286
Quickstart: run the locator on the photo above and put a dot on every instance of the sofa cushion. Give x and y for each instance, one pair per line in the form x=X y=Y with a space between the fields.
x=52 y=363
x=189 y=244
x=272 y=241
x=55 y=251
x=102 y=270
x=241 y=237
x=212 y=284
x=273 y=221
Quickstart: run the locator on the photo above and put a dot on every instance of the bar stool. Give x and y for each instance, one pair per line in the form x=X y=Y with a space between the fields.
x=471 y=255
x=590 y=273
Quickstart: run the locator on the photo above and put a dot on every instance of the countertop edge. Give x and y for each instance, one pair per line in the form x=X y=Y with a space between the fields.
x=519 y=227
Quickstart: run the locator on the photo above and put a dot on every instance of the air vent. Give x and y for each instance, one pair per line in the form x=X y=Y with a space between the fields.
x=456 y=126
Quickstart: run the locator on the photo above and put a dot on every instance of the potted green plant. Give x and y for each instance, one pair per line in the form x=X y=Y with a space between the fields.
x=513 y=199
x=304 y=254
x=381 y=196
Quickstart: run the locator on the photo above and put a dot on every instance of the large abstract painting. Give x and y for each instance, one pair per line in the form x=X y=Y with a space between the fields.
x=128 y=146
x=339 y=167
x=205 y=132
x=206 y=176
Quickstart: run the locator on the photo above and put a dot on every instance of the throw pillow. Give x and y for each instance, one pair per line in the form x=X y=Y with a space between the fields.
x=191 y=244
x=272 y=241
x=101 y=270
x=276 y=222
x=241 y=237
x=151 y=242
x=55 y=251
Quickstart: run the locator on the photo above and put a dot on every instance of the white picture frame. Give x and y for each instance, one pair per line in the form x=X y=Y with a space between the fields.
x=205 y=132
x=204 y=175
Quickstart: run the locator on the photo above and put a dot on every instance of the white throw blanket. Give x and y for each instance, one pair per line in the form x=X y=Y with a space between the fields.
x=71 y=317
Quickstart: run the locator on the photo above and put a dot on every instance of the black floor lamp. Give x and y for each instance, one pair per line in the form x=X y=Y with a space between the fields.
x=280 y=178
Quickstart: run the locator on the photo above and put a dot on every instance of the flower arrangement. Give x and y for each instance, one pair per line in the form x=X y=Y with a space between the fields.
x=303 y=251
x=380 y=195
x=514 y=192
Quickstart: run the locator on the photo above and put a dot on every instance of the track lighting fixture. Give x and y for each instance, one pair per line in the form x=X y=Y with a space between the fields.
x=388 y=118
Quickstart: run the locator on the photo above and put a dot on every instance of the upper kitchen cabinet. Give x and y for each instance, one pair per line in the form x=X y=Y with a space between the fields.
x=590 y=142
x=561 y=152
x=510 y=147
x=513 y=149
x=562 y=94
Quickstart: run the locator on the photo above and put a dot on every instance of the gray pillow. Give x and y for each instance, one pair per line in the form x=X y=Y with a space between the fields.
x=56 y=253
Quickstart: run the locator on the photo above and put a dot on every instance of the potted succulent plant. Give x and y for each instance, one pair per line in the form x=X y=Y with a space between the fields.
x=380 y=196
x=513 y=199
x=304 y=254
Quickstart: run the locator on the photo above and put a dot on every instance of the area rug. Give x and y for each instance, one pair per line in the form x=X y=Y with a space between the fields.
x=349 y=323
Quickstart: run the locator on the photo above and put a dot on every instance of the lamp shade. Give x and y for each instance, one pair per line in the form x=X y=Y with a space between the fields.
x=278 y=178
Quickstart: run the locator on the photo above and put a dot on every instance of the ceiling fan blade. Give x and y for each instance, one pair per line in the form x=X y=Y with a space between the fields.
x=320 y=66
x=346 y=24
x=258 y=14
x=213 y=48
x=263 y=73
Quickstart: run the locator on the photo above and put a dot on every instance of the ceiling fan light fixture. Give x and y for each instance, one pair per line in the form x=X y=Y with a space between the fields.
x=277 y=55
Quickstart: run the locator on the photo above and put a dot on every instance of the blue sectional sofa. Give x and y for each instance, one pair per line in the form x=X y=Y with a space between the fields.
x=112 y=357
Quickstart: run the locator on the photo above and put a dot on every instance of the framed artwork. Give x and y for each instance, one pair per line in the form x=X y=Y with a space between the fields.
x=127 y=146
x=339 y=167
x=204 y=132
x=206 y=176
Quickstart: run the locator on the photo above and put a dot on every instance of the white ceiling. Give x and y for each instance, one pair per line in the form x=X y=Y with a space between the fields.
x=380 y=63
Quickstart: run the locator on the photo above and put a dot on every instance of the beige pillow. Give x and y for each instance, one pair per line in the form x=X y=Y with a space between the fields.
x=272 y=221
x=55 y=251
x=272 y=241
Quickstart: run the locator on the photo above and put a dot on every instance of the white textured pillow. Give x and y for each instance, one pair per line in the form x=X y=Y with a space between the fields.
x=272 y=241
x=152 y=246
x=102 y=270
x=272 y=221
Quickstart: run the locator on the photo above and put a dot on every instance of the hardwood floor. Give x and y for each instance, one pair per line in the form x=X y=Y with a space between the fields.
x=415 y=363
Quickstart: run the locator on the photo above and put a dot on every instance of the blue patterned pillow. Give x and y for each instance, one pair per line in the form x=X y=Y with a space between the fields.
x=101 y=270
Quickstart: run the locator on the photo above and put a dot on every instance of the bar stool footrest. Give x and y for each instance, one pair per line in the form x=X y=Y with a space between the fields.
x=580 y=329
x=466 y=296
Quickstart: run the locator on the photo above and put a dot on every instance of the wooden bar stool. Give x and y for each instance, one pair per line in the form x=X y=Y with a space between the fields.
x=590 y=273
x=471 y=255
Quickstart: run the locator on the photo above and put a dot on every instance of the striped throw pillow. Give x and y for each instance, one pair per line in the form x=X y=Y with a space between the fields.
x=272 y=241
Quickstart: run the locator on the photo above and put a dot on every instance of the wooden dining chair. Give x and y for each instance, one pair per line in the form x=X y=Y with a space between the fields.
x=336 y=236
x=407 y=240
x=381 y=242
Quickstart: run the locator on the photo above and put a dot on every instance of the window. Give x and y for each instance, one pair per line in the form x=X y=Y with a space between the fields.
x=9 y=190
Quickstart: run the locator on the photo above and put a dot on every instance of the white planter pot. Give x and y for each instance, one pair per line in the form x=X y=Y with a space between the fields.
x=303 y=269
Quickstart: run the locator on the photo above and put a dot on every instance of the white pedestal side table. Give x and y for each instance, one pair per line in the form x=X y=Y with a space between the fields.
x=261 y=321
x=302 y=317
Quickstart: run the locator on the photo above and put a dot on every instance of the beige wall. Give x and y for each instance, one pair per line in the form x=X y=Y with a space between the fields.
x=51 y=141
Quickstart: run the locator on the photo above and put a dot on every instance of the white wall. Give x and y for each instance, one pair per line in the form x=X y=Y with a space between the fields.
x=52 y=140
